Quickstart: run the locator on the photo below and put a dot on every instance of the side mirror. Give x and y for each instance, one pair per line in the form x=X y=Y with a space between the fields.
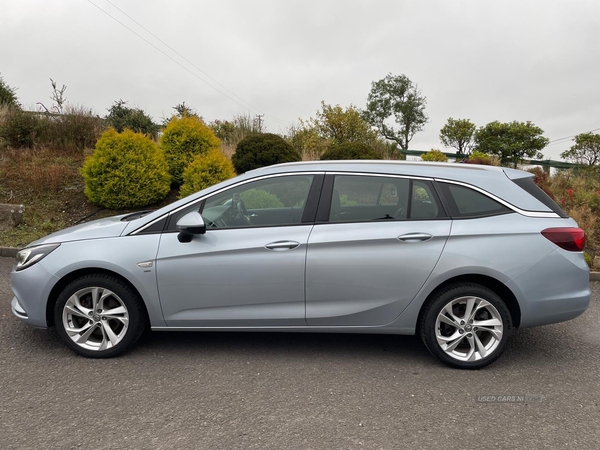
x=189 y=225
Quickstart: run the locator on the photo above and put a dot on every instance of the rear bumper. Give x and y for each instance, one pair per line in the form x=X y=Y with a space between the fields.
x=554 y=290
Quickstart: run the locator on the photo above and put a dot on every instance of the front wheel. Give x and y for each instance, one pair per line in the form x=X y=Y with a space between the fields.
x=466 y=326
x=99 y=316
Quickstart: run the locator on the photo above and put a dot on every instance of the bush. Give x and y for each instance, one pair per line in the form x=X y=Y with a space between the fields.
x=349 y=150
x=259 y=199
x=126 y=170
x=260 y=150
x=19 y=128
x=8 y=95
x=204 y=171
x=122 y=117
x=477 y=157
x=434 y=155
x=184 y=138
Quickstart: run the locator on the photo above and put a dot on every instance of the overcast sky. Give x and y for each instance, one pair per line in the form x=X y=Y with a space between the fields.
x=480 y=60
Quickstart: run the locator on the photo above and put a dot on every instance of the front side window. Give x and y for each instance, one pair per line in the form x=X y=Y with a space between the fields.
x=269 y=202
x=366 y=198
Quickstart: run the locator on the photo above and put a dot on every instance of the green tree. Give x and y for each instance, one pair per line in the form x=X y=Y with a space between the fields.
x=434 y=155
x=121 y=117
x=586 y=149
x=8 y=95
x=182 y=139
x=182 y=110
x=458 y=134
x=397 y=98
x=511 y=142
x=260 y=150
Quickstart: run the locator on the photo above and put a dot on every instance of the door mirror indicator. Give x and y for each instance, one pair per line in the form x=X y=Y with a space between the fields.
x=189 y=225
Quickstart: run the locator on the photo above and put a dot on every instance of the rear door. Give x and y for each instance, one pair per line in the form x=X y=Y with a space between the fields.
x=376 y=241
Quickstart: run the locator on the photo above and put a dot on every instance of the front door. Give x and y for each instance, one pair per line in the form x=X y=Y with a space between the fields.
x=249 y=267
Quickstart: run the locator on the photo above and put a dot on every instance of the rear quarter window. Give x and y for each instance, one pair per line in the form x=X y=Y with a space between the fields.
x=531 y=188
x=466 y=202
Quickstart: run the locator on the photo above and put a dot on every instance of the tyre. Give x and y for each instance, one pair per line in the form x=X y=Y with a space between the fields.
x=99 y=316
x=466 y=326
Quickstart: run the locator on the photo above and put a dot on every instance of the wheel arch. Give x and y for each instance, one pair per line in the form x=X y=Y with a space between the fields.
x=489 y=282
x=68 y=278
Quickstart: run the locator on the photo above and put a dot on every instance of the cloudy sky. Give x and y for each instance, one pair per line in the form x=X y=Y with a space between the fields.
x=481 y=60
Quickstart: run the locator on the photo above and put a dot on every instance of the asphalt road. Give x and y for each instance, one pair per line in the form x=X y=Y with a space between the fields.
x=295 y=391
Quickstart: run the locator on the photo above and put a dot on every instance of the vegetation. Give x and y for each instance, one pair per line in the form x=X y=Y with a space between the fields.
x=122 y=117
x=458 y=134
x=126 y=170
x=259 y=150
x=204 y=171
x=585 y=151
x=434 y=155
x=183 y=138
x=397 y=98
x=511 y=142
x=8 y=95
x=232 y=132
x=477 y=157
x=350 y=150
x=259 y=199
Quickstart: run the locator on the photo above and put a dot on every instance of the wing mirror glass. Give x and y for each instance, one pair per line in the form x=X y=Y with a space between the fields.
x=189 y=225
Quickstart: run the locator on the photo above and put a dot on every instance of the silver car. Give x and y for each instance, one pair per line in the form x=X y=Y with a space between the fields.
x=461 y=255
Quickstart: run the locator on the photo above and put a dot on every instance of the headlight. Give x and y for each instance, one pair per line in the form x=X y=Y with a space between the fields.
x=29 y=256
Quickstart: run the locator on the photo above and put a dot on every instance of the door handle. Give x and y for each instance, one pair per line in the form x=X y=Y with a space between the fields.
x=282 y=245
x=415 y=237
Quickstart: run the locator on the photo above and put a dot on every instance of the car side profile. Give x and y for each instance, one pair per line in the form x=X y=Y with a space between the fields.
x=461 y=255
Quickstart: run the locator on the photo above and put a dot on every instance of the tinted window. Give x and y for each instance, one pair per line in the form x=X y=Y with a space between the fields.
x=529 y=186
x=365 y=198
x=466 y=202
x=269 y=202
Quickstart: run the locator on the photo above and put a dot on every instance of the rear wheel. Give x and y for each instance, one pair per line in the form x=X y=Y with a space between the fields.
x=99 y=316
x=466 y=326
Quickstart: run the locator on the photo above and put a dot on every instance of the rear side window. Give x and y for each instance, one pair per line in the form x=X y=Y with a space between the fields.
x=467 y=202
x=530 y=187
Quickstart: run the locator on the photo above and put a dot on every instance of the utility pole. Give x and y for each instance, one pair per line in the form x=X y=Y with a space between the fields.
x=259 y=120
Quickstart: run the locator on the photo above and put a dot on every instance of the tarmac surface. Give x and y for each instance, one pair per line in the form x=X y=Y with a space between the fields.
x=297 y=391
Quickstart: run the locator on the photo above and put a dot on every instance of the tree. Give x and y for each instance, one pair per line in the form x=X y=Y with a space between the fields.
x=586 y=149
x=339 y=125
x=511 y=142
x=332 y=125
x=120 y=116
x=397 y=98
x=458 y=134
x=8 y=95
x=182 y=110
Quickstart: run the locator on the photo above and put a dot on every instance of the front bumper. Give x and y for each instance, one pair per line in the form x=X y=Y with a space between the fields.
x=31 y=288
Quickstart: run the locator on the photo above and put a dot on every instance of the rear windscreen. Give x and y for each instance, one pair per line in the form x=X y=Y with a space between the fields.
x=528 y=185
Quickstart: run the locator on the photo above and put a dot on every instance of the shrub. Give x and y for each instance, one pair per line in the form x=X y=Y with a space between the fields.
x=184 y=138
x=477 y=157
x=76 y=128
x=259 y=199
x=260 y=150
x=122 y=117
x=434 y=155
x=8 y=95
x=126 y=170
x=19 y=128
x=349 y=150
x=204 y=171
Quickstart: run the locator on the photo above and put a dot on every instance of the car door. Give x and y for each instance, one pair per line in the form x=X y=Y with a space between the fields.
x=373 y=247
x=248 y=269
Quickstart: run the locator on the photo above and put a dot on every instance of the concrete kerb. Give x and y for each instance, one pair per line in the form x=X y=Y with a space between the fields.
x=11 y=252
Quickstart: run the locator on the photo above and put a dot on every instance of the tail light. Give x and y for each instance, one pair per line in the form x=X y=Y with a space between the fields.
x=571 y=239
